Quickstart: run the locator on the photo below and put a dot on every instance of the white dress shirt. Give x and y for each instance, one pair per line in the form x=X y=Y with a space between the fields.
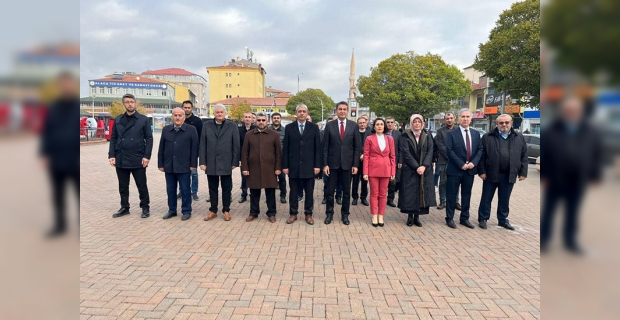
x=344 y=122
x=299 y=124
x=465 y=138
x=381 y=140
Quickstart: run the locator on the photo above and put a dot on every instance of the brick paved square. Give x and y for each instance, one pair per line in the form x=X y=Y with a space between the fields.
x=133 y=268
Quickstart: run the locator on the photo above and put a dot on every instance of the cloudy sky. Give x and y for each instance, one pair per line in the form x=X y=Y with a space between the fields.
x=287 y=36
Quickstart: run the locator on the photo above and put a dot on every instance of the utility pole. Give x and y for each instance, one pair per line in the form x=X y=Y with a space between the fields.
x=298 y=81
x=321 y=109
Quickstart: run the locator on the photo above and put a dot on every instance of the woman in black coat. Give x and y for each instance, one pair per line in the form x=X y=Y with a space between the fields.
x=417 y=188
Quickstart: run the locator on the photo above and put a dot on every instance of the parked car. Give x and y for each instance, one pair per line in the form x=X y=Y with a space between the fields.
x=533 y=146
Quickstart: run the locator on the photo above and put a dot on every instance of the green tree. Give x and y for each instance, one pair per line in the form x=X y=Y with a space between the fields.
x=311 y=98
x=409 y=83
x=511 y=57
x=584 y=35
x=237 y=110
x=117 y=108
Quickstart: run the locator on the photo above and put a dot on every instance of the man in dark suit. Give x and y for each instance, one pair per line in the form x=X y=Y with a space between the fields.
x=393 y=186
x=248 y=124
x=301 y=161
x=464 y=148
x=362 y=123
x=191 y=119
x=131 y=145
x=178 y=157
x=341 y=156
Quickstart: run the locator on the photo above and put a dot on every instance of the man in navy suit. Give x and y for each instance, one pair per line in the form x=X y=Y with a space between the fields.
x=341 y=156
x=464 y=148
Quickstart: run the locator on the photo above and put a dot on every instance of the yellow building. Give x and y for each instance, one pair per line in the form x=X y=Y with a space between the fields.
x=236 y=78
x=182 y=93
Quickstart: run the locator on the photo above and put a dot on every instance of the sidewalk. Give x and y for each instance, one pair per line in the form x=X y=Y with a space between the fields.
x=133 y=268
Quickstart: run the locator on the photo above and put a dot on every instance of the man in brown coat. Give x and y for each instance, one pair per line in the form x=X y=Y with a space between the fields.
x=261 y=162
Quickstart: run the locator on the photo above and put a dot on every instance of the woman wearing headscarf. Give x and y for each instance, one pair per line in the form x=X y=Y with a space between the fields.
x=417 y=189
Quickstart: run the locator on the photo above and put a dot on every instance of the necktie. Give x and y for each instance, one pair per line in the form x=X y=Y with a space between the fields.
x=467 y=145
x=301 y=129
x=341 y=130
x=176 y=129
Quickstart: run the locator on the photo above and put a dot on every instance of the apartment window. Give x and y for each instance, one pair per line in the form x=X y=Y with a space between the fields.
x=163 y=93
x=118 y=90
x=140 y=91
x=100 y=90
x=238 y=85
x=93 y=90
x=479 y=102
x=109 y=90
x=237 y=73
x=148 y=92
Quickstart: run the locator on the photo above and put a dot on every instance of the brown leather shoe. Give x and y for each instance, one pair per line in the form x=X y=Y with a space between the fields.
x=309 y=219
x=210 y=216
x=250 y=218
x=227 y=216
x=458 y=207
x=291 y=219
x=441 y=206
x=272 y=219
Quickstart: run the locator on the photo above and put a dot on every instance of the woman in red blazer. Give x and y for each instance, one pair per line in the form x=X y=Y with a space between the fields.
x=379 y=169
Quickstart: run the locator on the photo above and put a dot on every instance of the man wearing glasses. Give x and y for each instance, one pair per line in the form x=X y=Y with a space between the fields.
x=393 y=186
x=504 y=158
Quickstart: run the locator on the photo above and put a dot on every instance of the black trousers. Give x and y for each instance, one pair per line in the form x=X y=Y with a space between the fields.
x=59 y=180
x=270 y=194
x=308 y=186
x=488 y=192
x=214 y=182
x=393 y=186
x=572 y=194
x=357 y=178
x=335 y=176
x=244 y=185
x=139 y=176
x=282 y=184
x=465 y=181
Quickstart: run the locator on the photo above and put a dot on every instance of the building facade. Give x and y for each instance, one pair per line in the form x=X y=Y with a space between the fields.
x=181 y=77
x=236 y=79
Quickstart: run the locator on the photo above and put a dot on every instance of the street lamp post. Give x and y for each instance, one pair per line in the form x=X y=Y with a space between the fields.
x=321 y=108
x=93 y=105
x=298 y=81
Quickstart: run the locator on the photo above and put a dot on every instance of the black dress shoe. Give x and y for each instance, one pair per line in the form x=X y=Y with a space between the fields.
x=282 y=199
x=507 y=225
x=195 y=197
x=381 y=224
x=457 y=206
x=324 y=201
x=354 y=202
x=467 y=224
x=451 y=224
x=365 y=202
x=169 y=215
x=328 y=219
x=416 y=221
x=345 y=220
x=339 y=201
x=145 y=213
x=410 y=220
x=391 y=204
x=186 y=217
x=121 y=212
x=243 y=199
x=482 y=224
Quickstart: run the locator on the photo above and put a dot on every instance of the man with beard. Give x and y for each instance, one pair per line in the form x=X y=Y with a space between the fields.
x=442 y=160
x=248 y=124
x=192 y=120
x=276 y=121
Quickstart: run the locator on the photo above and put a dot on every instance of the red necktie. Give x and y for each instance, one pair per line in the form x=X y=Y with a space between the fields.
x=467 y=145
x=341 y=130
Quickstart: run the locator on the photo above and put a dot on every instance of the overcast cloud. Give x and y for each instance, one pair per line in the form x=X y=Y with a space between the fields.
x=287 y=36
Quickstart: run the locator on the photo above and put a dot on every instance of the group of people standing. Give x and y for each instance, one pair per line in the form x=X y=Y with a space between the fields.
x=346 y=153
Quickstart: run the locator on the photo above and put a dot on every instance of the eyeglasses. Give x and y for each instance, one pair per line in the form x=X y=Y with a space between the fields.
x=503 y=122
x=390 y=122
x=261 y=120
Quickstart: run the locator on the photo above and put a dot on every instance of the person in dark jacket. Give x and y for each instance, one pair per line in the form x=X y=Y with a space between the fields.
x=301 y=161
x=572 y=152
x=276 y=125
x=131 y=145
x=178 y=157
x=248 y=124
x=394 y=184
x=417 y=188
x=357 y=178
x=191 y=119
x=219 y=155
x=60 y=149
x=504 y=158
x=442 y=160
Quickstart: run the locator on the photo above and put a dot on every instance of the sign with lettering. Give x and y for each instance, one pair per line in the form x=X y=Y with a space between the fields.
x=119 y=84
x=490 y=110
x=512 y=109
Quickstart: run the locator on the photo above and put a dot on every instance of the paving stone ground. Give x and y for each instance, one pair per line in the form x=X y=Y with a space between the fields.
x=133 y=268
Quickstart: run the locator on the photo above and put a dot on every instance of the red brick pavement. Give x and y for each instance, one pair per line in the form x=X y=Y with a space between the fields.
x=133 y=268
